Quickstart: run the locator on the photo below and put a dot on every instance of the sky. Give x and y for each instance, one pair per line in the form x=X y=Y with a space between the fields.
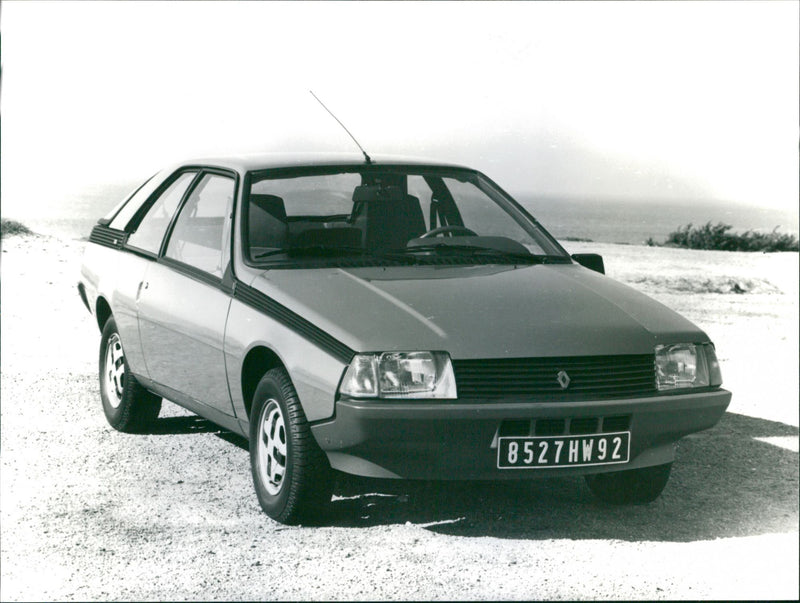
x=633 y=100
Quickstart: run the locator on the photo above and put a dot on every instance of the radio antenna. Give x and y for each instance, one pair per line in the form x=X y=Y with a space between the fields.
x=343 y=126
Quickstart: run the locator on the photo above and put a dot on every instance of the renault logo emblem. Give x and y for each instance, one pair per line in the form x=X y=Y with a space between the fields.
x=563 y=379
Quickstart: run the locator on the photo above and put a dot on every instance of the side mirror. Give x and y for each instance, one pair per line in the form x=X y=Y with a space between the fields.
x=592 y=261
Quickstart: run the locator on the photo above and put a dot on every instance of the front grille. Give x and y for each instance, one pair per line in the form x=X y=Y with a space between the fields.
x=584 y=425
x=571 y=426
x=537 y=379
x=621 y=423
x=546 y=427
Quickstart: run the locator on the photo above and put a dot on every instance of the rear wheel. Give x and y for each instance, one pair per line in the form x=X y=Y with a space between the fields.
x=291 y=474
x=634 y=486
x=128 y=406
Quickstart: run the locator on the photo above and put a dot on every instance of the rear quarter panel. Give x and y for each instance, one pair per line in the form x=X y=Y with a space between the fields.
x=115 y=276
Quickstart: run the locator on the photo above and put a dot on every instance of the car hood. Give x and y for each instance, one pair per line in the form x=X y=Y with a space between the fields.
x=479 y=311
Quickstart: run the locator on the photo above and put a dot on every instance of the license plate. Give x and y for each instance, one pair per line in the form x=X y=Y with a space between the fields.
x=563 y=451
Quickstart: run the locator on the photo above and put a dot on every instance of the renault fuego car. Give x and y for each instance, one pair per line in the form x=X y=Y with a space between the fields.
x=386 y=318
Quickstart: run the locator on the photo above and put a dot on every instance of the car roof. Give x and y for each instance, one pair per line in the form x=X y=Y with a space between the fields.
x=264 y=161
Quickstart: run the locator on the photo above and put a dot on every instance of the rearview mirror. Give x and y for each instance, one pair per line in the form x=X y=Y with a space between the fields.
x=367 y=193
x=592 y=261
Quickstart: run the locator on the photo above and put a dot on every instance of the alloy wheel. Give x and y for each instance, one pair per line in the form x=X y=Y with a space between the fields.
x=114 y=371
x=272 y=447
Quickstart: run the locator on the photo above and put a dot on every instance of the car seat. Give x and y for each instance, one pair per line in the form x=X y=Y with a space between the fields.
x=389 y=225
x=267 y=227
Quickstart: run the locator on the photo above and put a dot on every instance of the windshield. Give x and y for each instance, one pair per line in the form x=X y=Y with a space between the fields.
x=370 y=214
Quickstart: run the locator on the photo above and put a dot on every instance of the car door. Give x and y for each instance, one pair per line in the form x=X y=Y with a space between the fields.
x=147 y=232
x=183 y=304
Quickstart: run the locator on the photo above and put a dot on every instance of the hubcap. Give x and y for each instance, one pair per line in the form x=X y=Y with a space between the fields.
x=272 y=447
x=114 y=371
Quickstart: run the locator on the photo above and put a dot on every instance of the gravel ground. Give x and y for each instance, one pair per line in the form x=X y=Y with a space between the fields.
x=91 y=514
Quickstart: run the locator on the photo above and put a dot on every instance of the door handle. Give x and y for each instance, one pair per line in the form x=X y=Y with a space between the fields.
x=142 y=285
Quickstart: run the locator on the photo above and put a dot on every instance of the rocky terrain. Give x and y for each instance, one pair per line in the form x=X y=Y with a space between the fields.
x=92 y=514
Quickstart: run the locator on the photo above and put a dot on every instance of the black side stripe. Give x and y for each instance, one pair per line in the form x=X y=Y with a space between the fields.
x=257 y=300
x=108 y=237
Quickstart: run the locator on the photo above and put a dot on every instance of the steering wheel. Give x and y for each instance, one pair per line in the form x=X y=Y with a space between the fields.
x=452 y=229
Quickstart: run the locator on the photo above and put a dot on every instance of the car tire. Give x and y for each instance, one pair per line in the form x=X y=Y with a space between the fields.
x=128 y=406
x=634 y=486
x=291 y=474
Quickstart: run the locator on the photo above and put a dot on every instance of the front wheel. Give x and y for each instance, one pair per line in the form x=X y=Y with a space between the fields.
x=128 y=406
x=631 y=487
x=291 y=474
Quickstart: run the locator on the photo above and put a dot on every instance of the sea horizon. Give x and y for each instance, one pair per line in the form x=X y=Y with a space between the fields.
x=601 y=220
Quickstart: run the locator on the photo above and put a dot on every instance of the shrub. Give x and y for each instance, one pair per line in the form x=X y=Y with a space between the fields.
x=717 y=237
x=12 y=227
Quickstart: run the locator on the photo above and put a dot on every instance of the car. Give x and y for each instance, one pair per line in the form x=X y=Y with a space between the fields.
x=386 y=318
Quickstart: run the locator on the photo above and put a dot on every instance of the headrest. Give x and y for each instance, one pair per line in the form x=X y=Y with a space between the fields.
x=272 y=204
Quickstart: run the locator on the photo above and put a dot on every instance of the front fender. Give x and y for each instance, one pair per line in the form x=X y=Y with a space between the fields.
x=315 y=373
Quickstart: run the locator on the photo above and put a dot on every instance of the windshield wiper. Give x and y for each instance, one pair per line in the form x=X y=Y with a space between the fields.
x=407 y=255
x=476 y=250
x=323 y=250
x=336 y=251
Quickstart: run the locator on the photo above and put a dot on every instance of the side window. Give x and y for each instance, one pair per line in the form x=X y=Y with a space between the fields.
x=200 y=237
x=123 y=212
x=151 y=230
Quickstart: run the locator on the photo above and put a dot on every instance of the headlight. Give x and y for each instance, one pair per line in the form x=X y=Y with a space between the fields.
x=683 y=365
x=400 y=375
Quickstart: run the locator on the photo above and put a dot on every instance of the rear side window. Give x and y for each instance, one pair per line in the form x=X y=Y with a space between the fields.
x=153 y=227
x=129 y=207
x=201 y=237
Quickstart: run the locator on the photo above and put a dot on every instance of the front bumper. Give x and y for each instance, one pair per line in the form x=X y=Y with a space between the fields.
x=452 y=440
